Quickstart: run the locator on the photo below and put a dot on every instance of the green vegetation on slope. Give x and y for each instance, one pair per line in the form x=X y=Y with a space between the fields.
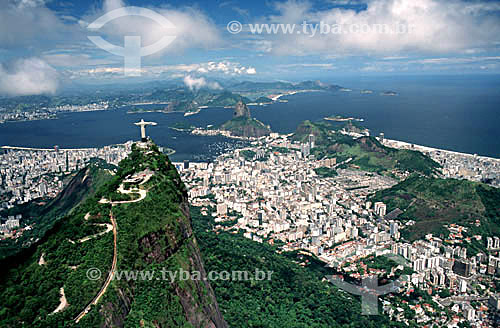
x=227 y=98
x=84 y=184
x=434 y=202
x=280 y=87
x=246 y=127
x=263 y=100
x=30 y=292
x=367 y=153
x=294 y=297
x=186 y=100
x=153 y=235
x=249 y=155
x=326 y=172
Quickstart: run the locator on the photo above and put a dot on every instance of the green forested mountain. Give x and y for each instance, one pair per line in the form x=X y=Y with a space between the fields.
x=246 y=127
x=42 y=215
x=435 y=202
x=366 y=153
x=147 y=230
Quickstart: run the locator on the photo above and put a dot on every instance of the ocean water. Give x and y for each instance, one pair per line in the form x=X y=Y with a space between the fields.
x=101 y=128
x=454 y=113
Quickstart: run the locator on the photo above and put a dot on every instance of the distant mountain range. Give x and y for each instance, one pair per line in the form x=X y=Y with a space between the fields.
x=173 y=96
x=248 y=86
x=188 y=100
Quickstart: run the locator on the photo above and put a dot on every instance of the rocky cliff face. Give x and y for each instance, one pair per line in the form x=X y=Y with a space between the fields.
x=246 y=127
x=196 y=298
x=243 y=125
x=241 y=110
x=167 y=242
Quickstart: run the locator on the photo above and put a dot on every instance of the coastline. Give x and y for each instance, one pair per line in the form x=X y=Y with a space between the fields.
x=343 y=119
x=398 y=144
x=290 y=93
x=407 y=145
x=224 y=133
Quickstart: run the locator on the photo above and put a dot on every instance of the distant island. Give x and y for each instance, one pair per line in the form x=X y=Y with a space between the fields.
x=339 y=118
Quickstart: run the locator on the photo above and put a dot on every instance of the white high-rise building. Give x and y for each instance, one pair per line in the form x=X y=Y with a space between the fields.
x=463 y=286
x=380 y=209
x=489 y=242
x=12 y=223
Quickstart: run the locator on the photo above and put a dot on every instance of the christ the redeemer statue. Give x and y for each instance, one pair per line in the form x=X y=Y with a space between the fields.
x=143 y=124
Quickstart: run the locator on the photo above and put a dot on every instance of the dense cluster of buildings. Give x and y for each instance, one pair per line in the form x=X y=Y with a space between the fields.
x=279 y=196
x=11 y=223
x=44 y=113
x=101 y=105
x=27 y=174
x=11 y=116
x=466 y=278
x=283 y=198
x=275 y=191
x=12 y=227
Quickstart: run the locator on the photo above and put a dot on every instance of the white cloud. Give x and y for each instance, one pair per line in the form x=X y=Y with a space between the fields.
x=27 y=22
x=193 y=29
x=260 y=45
x=195 y=83
x=30 y=25
x=394 y=57
x=456 y=60
x=227 y=68
x=210 y=68
x=436 y=27
x=31 y=76
x=222 y=67
x=109 y=5
x=29 y=3
x=377 y=68
x=241 y=11
x=311 y=65
x=346 y=2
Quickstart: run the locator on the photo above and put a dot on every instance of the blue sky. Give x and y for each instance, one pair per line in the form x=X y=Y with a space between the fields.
x=44 y=44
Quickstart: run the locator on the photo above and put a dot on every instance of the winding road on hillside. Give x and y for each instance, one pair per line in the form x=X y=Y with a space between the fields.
x=110 y=274
x=112 y=271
